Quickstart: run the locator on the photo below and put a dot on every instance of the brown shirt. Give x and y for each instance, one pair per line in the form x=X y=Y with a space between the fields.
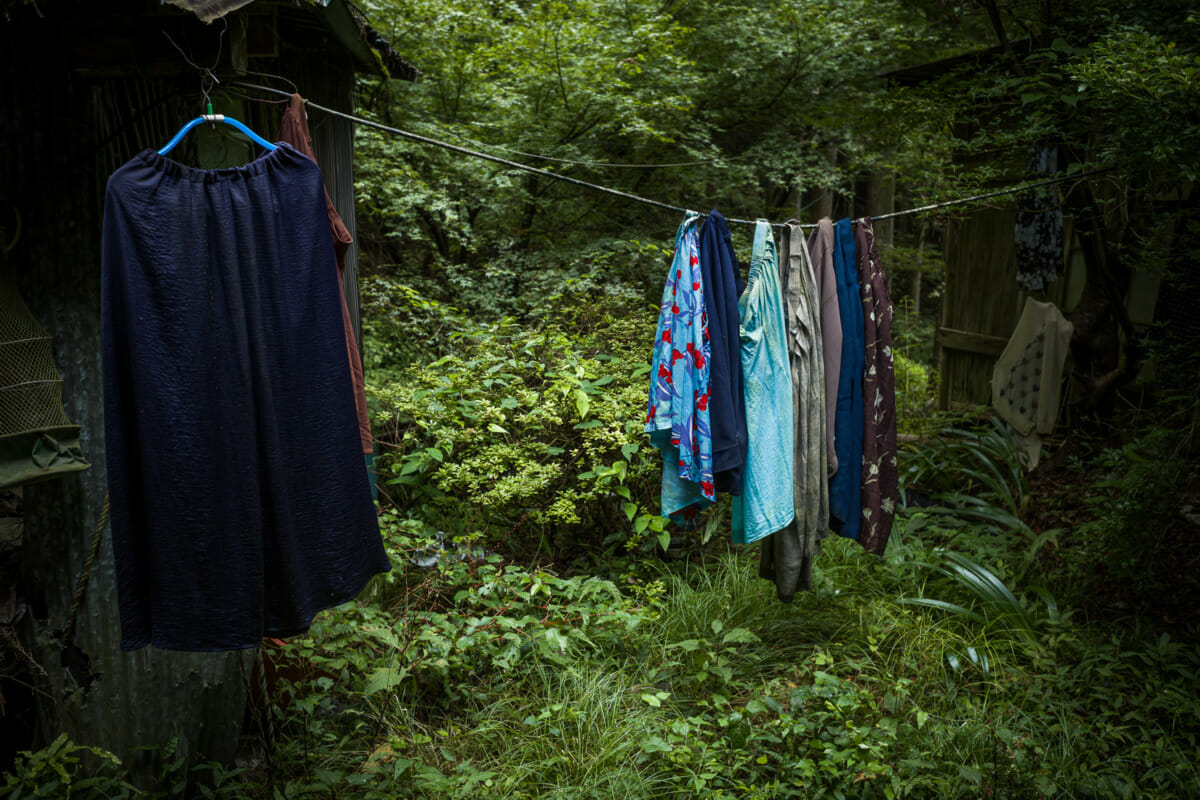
x=294 y=131
x=820 y=248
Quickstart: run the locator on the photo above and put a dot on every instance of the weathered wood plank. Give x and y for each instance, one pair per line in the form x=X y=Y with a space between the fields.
x=971 y=342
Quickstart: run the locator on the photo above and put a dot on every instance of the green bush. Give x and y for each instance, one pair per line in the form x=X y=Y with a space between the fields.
x=916 y=396
x=66 y=769
x=532 y=438
x=1124 y=551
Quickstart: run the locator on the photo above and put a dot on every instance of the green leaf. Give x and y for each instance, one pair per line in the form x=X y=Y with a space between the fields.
x=582 y=403
x=630 y=510
x=655 y=744
x=494 y=428
x=385 y=678
x=664 y=539
x=739 y=636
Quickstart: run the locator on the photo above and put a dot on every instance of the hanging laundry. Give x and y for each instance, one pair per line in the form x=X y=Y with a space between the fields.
x=1038 y=233
x=787 y=556
x=678 y=413
x=1027 y=378
x=294 y=130
x=722 y=287
x=765 y=504
x=845 y=488
x=820 y=249
x=240 y=507
x=880 y=475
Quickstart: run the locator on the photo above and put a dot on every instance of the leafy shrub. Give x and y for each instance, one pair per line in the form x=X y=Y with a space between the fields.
x=401 y=327
x=66 y=769
x=916 y=395
x=1125 y=550
x=530 y=437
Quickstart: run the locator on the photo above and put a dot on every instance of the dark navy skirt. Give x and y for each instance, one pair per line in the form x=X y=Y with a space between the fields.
x=239 y=501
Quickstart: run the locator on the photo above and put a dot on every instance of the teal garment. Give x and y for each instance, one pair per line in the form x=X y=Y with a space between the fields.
x=766 y=503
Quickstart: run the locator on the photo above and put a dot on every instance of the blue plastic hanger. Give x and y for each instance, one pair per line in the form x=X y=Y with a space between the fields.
x=211 y=117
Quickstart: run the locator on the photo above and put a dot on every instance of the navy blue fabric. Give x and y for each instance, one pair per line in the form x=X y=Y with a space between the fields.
x=845 y=488
x=722 y=288
x=239 y=496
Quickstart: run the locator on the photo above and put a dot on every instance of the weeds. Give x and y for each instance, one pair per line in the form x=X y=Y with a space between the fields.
x=946 y=668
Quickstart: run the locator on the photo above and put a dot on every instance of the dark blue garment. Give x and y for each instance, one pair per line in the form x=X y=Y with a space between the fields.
x=240 y=506
x=722 y=288
x=845 y=488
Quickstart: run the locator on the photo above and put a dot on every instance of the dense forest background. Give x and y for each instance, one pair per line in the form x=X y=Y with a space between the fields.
x=543 y=632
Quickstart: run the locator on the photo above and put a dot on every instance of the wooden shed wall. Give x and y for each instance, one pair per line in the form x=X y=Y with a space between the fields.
x=981 y=301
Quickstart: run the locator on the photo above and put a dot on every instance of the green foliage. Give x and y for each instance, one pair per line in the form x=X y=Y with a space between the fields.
x=1123 y=548
x=916 y=395
x=1148 y=86
x=699 y=684
x=912 y=335
x=65 y=769
x=526 y=436
x=401 y=328
x=597 y=91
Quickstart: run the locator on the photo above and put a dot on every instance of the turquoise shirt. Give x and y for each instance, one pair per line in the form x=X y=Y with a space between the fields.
x=766 y=504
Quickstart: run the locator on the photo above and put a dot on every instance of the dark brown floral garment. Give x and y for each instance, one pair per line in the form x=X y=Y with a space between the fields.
x=1038 y=233
x=880 y=477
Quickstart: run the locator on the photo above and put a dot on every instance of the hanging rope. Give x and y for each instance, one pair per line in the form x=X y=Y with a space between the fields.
x=645 y=200
x=84 y=574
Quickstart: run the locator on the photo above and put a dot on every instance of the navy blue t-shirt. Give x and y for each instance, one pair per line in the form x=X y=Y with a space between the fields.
x=727 y=414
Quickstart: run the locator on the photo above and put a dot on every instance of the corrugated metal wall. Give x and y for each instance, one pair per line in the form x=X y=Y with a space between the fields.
x=67 y=138
x=66 y=129
x=330 y=83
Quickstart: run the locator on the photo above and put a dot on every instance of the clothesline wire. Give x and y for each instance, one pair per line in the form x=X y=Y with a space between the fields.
x=1009 y=190
x=597 y=164
x=647 y=201
x=475 y=153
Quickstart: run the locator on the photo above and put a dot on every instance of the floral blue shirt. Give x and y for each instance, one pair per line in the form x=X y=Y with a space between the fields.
x=677 y=416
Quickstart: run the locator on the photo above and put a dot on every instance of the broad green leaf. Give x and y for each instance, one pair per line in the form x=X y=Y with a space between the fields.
x=385 y=678
x=582 y=403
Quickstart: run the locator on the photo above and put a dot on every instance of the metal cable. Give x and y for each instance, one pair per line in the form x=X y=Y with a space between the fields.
x=1010 y=190
x=626 y=195
x=488 y=157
